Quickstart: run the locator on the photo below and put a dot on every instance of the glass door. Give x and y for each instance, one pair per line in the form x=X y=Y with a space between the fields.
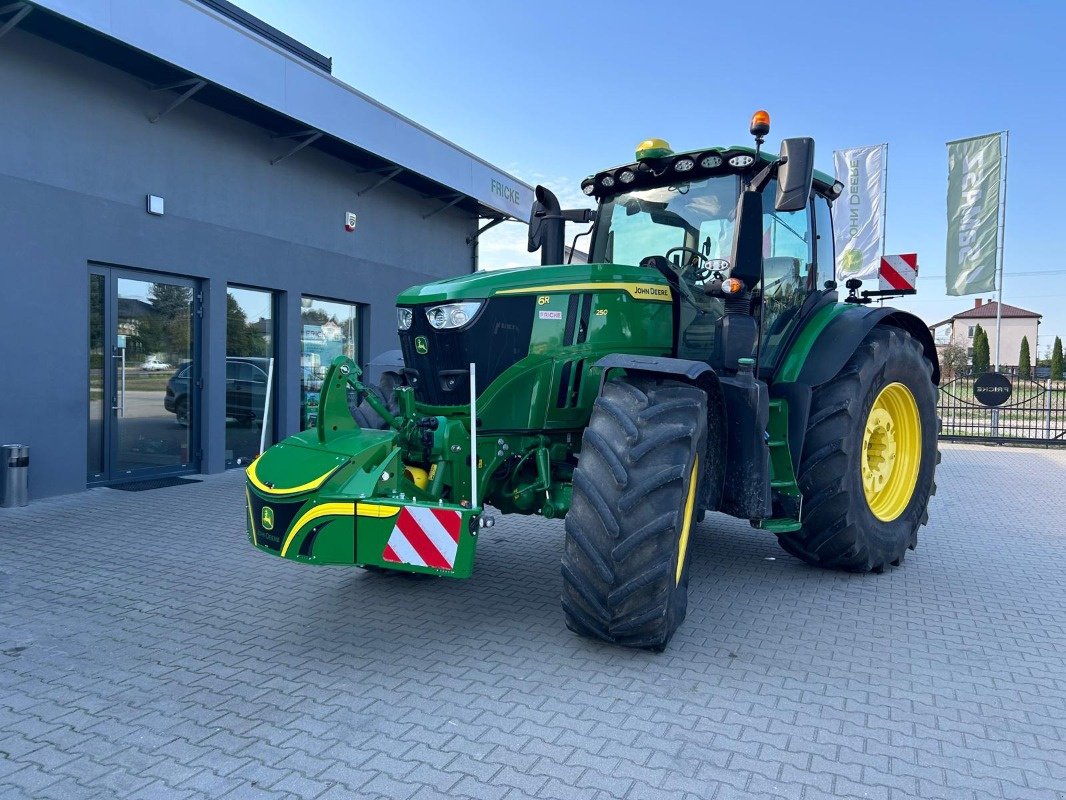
x=143 y=376
x=250 y=374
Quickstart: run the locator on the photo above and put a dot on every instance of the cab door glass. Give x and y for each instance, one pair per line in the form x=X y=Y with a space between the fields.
x=823 y=228
x=788 y=272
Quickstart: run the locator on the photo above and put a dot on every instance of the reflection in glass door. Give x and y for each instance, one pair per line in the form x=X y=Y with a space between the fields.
x=330 y=329
x=141 y=366
x=97 y=378
x=250 y=374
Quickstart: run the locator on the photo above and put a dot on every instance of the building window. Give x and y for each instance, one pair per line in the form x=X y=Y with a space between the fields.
x=250 y=373
x=971 y=330
x=330 y=329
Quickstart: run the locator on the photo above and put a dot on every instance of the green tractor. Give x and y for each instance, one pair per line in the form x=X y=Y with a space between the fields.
x=702 y=361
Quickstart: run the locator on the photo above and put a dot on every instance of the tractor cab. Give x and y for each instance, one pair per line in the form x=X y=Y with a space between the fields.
x=679 y=214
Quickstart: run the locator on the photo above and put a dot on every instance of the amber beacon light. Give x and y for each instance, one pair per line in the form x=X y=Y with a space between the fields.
x=760 y=123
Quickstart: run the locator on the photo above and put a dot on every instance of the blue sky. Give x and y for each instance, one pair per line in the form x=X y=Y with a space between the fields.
x=553 y=91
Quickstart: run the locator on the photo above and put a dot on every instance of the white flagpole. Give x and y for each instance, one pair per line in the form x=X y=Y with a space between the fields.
x=1002 y=230
x=266 y=406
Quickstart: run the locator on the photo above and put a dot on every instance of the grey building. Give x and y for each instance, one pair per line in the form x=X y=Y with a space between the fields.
x=196 y=217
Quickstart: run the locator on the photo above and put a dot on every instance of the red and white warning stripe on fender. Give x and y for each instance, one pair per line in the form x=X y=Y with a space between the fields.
x=424 y=537
x=899 y=272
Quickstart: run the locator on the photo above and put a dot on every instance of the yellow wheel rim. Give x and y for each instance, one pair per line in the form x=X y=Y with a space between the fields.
x=891 y=452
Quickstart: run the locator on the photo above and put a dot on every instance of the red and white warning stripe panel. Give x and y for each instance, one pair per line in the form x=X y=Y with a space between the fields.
x=899 y=272
x=424 y=537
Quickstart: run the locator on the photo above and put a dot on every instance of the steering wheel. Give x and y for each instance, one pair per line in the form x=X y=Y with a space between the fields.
x=702 y=269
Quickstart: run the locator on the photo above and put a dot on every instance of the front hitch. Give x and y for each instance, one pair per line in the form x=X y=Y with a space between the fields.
x=334 y=415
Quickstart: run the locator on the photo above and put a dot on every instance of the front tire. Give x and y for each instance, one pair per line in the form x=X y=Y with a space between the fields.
x=625 y=576
x=869 y=458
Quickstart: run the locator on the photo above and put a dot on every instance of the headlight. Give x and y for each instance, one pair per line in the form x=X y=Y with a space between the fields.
x=404 y=318
x=626 y=176
x=710 y=162
x=741 y=161
x=452 y=315
x=684 y=164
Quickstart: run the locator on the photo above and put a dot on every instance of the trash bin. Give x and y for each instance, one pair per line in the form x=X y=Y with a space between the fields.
x=14 y=475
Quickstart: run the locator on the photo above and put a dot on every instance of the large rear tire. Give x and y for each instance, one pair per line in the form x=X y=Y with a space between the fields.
x=869 y=458
x=625 y=575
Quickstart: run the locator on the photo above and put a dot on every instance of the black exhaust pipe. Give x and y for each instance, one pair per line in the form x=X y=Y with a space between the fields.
x=547 y=227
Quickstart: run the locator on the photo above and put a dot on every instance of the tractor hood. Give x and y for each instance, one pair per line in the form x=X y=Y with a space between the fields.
x=531 y=280
x=518 y=312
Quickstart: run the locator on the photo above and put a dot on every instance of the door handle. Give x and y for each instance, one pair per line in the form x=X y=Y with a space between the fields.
x=121 y=407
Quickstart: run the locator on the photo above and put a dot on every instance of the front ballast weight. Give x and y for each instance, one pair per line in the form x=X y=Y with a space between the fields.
x=403 y=498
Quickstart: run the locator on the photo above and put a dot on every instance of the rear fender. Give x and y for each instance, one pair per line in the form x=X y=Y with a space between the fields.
x=699 y=374
x=841 y=337
x=811 y=363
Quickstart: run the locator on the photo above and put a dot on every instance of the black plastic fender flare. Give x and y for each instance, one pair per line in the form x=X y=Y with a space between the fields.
x=703 y=376
x=841 y=337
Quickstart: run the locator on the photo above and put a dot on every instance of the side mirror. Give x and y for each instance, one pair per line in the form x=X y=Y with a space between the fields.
x=747 y=241
x=543 y=219
x=795 y=175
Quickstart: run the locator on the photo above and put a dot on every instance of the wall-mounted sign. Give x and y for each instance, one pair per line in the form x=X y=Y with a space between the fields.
x=992 y=389
x=506 y=191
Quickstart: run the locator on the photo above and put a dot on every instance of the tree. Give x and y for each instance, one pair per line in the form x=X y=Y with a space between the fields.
x=980 y=351
x=1025 y=360
x=1056 y=361
x=169 y=300
x=953 y=361
x=243 y=338
x=168 y=329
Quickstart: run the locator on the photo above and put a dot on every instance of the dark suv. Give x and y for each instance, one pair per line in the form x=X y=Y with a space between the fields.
x=246 y=389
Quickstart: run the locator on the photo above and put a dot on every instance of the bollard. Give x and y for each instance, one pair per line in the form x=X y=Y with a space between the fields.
x=14 y=475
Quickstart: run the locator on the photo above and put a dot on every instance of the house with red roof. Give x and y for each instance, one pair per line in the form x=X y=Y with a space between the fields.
x=1015 y=324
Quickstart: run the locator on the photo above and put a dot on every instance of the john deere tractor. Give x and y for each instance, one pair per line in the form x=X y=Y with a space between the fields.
x=702 y=361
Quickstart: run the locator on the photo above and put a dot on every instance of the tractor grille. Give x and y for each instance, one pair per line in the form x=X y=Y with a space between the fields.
x=283 y=514
x=496 y=338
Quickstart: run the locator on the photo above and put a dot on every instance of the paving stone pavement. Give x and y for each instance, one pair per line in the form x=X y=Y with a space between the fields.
x=147 y=651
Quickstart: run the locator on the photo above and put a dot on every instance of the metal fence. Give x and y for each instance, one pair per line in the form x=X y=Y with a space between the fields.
x=1035 y=413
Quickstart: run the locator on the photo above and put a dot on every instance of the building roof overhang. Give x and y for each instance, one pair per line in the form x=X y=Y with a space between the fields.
x=189 y=49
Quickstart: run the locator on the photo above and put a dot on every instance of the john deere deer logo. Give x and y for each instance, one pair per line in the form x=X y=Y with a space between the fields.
x=421 y=345
x=267 y=518
x=851 y=261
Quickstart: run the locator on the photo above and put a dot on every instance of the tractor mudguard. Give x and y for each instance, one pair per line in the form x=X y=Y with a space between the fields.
x=811 y=362
x=834 y=346
x=697 y=373
x=701 y=375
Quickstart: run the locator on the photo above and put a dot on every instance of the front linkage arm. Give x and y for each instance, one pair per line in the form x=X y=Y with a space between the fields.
x=334 y=414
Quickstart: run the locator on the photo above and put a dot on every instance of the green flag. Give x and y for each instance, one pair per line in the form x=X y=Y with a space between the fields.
x=973 y=214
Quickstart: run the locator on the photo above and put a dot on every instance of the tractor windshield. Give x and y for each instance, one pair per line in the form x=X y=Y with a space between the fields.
x=698 y=215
